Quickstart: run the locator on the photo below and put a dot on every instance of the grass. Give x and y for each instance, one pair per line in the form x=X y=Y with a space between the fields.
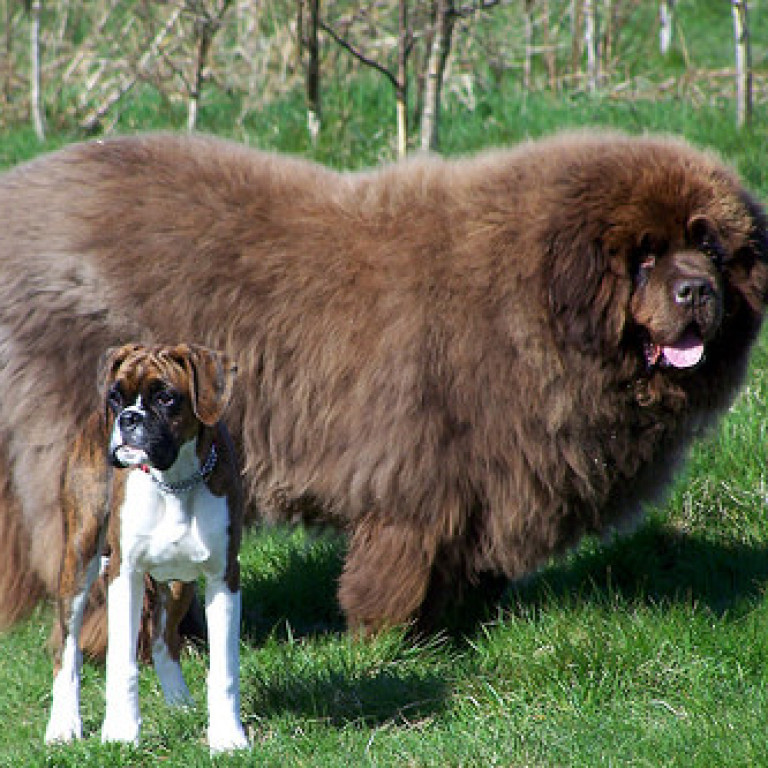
x=650 y=650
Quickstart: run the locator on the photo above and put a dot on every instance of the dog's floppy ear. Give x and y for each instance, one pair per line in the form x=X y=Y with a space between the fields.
x=212 y=375
x=588 y=289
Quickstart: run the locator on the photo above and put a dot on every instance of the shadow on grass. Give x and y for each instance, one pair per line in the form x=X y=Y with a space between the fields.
x=293 y=597
x=296 y=597
x=657 y=564
x=398 y=698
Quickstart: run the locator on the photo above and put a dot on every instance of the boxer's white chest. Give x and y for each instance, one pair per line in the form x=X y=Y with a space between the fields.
x=172 y=536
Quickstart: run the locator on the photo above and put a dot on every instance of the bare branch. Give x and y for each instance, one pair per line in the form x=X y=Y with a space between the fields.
x=93 y=119
x=359 y=55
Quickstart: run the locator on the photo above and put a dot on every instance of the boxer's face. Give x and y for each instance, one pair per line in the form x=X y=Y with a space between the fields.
x=158 y=398
x=152 y=419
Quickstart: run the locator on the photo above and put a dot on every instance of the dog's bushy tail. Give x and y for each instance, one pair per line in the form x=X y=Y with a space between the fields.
x=20 y=587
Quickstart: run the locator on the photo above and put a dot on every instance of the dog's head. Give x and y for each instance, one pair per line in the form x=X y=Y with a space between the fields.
x=680 y=292
x=156 y=399
x=661 y=257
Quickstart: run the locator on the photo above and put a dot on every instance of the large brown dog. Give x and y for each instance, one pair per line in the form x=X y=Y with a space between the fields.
x=465 y=364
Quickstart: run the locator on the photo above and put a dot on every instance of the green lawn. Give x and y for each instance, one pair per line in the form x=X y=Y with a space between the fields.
x=651 y=650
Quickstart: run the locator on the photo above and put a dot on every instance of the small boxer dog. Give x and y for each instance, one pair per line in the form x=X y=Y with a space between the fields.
x=174 y=514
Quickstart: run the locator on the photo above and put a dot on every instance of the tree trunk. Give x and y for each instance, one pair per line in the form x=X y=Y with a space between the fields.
x=35 y=105
x=204 y=34
x=743 y=63
x=207 y=24
x=666 y=28
x=590 y=42
x=577 y=17
x=398 y=80
x=550 y=50
x=606 y=45
x=8 y=57
x=401 y=95
x=528 y=30
x=314 y=114
x=438 y=56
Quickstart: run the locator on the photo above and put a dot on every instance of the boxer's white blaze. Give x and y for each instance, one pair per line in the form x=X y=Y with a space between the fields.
x=127 y=455
x=174 y=536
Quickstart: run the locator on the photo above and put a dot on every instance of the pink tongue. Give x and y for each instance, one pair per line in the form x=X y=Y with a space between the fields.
x=686 y=353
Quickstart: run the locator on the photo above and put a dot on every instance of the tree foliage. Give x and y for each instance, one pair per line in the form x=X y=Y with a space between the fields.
x=94 y=59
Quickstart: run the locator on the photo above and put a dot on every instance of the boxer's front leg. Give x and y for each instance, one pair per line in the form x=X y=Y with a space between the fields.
x=124 y=602
x=222 y=613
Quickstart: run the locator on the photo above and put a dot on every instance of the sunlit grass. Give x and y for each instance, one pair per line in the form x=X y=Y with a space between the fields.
x=651 y=650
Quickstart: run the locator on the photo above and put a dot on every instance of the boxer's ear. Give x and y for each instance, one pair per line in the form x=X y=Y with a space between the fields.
x=212 y=375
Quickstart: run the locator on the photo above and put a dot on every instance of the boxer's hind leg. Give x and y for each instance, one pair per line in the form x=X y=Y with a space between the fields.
x=77 y=578
x=173 y=601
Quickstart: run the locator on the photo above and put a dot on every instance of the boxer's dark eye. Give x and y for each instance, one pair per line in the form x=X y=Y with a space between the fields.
x=115 y=398
x=167 y=399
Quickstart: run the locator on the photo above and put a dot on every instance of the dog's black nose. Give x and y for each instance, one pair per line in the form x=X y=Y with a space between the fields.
x=129 y=420
x=693 y=291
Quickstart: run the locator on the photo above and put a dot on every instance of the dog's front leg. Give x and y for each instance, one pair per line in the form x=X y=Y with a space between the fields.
x=124 y=602
x=222 y=613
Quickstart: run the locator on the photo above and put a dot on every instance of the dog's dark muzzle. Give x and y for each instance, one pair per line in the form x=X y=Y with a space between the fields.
x=141 y=433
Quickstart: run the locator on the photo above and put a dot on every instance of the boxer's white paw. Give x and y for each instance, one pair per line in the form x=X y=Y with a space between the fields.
x=226 y=737
x=172 y=682
x=63 y=727
x=64 y=723
x=178 y=695
x=120 y=727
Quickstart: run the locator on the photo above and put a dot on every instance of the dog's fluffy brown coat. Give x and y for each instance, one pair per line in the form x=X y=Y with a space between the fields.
x=457 y=361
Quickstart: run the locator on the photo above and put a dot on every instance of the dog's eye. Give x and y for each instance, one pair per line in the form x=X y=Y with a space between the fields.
x=115 y=398
x=712 y=248
x=167 y=399
x=705 y=237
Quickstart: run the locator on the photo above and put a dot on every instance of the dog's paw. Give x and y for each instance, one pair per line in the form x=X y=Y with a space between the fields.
x=172 y=682
x=122 y=727
x=178 y=696
x=175 y=690
x=64 y=723
x=226 y=737
x=63 y=727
